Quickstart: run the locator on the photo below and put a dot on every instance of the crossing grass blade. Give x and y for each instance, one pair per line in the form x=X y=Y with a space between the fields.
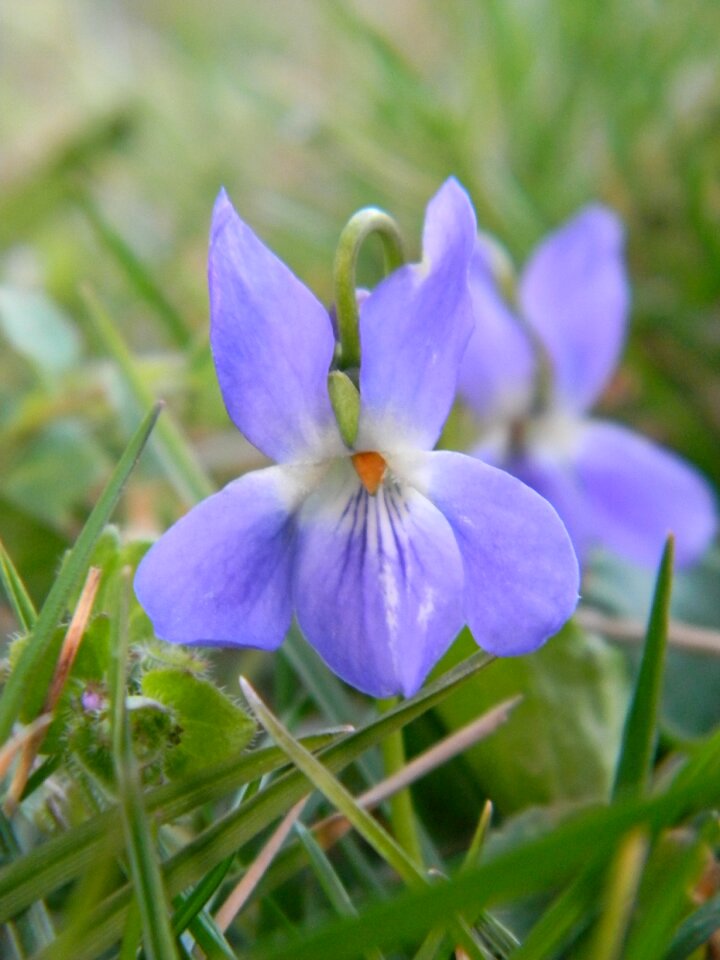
x=638 y=743
x=16 y=592
x=235 y=828
x=144 y=867
x=43 y=869
x=183 y=468
x=69 y=577
x=696 y=930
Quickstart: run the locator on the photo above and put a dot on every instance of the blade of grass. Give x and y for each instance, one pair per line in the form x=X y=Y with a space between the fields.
x=239 y=895
x=323 y=780
x=328 y=879
x=183 y=468
x=231 y=831
x=144 y=868
x=639 y=736
x=73 y=569
x=402 y=812
x=68 y=652
x=189 y=906
x=16 y=592
x=34 y=927
x=696 y=930
x=135 y=271
x=620 y=892
x=665 y=904
x=73 y=852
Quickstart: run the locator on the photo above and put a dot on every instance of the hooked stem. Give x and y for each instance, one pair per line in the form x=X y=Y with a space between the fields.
x=359 y=227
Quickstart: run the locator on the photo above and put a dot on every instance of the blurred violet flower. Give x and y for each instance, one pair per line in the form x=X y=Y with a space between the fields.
x=383 y=550
x=532 y=370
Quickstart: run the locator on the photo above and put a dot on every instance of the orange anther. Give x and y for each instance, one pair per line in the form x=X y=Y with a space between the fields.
x=370 y=467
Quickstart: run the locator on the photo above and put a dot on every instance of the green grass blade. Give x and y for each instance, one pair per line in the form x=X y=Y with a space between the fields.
x=236 y=828
x=191 y=905
x=638 y=744
x=183 y=468
x=370 y=829
x=144 y=868
x=665 y=904
x=73 y=852
x=327 y=878
x=620 y=894
x=72 y=571
x=696 y=930
x=210 y=940
x=135 y=271
x=571 y=911
x=17 y=595
x=34 y=927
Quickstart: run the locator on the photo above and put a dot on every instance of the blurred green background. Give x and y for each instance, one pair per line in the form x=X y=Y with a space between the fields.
x=120 y=121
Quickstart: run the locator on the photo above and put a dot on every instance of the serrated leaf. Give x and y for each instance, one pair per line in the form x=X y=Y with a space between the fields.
x=212 y=727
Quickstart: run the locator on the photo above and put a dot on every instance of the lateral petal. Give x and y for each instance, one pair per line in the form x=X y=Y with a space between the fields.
x=521 y=573
x=221 y=575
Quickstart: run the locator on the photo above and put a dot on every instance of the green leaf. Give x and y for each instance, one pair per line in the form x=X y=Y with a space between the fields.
x=212 y=727
x=561 y=741
x=22 y=677
x=36 y=328
x=638 y=744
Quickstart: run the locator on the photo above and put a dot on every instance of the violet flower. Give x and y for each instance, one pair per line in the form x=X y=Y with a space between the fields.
x=383 y=550
x=532 y=371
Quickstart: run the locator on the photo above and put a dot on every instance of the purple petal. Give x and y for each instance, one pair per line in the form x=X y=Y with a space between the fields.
x=637 y=493
x=378 y=584
x=272 y=343
x=221 y=574
x=521 y=573
x=555 y=479
x=414 y=328
x=575 y=292
x=496 y=375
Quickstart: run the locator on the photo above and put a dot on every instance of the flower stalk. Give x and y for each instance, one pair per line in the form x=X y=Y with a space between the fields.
x=360 y=226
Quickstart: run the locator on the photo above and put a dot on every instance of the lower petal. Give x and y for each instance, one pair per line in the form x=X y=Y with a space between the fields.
x=221 y=575
x=378 y=584
x=637 y=493
x=521 y=573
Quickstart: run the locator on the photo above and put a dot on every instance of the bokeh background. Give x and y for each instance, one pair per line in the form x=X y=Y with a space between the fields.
x=120 y=121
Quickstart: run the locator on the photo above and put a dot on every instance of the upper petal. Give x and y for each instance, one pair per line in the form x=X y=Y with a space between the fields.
x=272 y=342
x=521 y=573
x=575 y=293
x=413 y=330
x=496 y=374
x=221 y=574
x=636 y=493
x=378 y=584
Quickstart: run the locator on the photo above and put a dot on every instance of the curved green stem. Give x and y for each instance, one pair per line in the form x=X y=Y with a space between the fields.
x=359 y=227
